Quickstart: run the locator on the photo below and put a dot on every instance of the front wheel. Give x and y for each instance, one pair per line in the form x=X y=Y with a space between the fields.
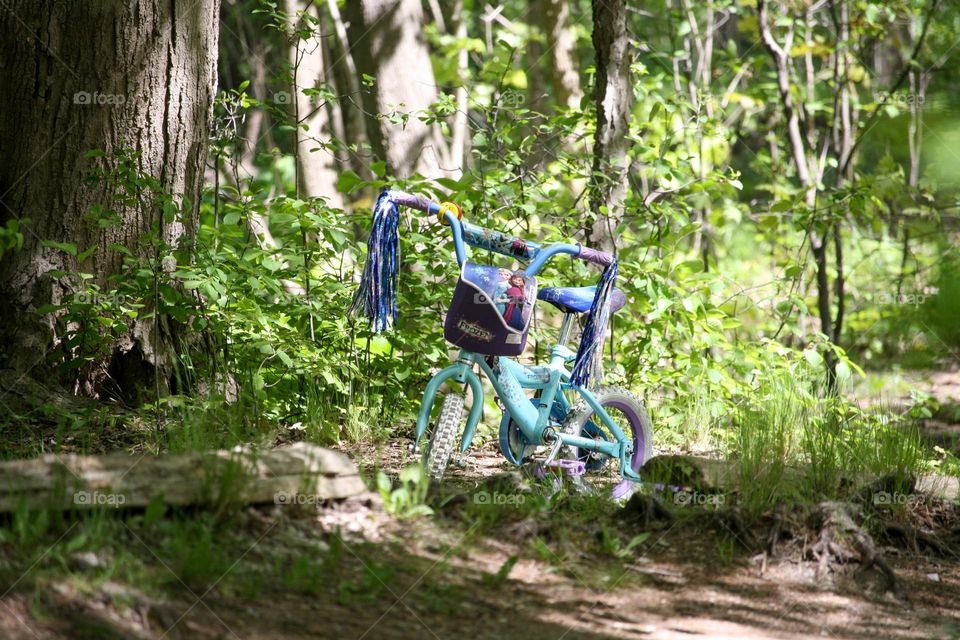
x=627 y=411
x=444 y=436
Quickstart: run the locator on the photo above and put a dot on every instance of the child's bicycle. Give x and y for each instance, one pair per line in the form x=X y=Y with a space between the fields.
x=599 y=439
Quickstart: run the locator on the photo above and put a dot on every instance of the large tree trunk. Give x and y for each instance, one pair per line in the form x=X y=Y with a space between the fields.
x=611 y=94
x=105 y=75
x=316 y=162
x=387 y=37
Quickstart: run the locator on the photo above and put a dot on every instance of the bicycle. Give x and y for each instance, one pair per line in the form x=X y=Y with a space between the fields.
x=488 y=320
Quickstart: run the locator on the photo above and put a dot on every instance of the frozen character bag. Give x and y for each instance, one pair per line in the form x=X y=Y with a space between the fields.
x=491 y=310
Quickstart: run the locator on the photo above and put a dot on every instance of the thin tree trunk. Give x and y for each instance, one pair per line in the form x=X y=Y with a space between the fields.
x=611 y=94
x=780 y=54
x=105 y=75
x=562 y=47
x=918 y=81
x=345 y=71
x=335 y=107
x=460 y=127
x=317 y=167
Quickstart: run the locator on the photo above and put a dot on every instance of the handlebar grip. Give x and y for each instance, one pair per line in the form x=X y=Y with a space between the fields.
x=415 y=202
x=596 y=257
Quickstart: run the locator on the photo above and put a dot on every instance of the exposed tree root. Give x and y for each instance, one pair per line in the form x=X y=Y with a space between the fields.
x=840 y=536
x=644 y=510
x=773 y=536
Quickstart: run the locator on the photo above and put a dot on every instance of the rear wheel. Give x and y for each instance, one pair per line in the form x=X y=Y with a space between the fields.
x=627 y=411
x=437 y=455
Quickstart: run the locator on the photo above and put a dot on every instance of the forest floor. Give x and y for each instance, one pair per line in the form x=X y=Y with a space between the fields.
x=474 y=568
x=518 y=567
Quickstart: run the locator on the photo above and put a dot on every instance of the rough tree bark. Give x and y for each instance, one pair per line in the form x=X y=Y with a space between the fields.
x=387 y=38
x=102 y=75
x=316 y=163
x=611 y=94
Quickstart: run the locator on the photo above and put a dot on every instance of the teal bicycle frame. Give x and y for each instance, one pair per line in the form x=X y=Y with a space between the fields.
x=510 y=379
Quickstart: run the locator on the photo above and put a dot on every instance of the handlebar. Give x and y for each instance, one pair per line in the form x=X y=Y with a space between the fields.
x=415 y=202
x=595 y=256
x=498 y=242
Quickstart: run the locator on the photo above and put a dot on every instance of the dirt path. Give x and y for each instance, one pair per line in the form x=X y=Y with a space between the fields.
x=461 y=573
x=439 y=591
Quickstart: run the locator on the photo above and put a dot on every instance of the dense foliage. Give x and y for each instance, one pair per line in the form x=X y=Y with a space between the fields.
x=715 y=244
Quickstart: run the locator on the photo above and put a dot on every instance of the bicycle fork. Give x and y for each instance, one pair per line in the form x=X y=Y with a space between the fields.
x=461 y=371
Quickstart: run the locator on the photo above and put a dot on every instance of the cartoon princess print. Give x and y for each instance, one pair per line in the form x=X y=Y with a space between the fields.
x=513 y=314
x=500 y=296
x=519 y=247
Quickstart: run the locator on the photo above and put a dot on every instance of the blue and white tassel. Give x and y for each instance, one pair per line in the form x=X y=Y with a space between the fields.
x=376 y=296
x=588 y=367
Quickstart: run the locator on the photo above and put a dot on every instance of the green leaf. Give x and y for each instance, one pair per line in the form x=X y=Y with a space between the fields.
x=843 y=371
x=66 y=247
x=781 y=206
x=86 y=254
x=813 y=357
x=634 y=541
x=348 y=181
x=383 y=485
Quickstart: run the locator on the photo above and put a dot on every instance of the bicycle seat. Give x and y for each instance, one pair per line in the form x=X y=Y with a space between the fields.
x=578 y=299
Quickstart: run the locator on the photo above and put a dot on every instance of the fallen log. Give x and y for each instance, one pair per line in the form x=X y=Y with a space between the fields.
x=300 y=474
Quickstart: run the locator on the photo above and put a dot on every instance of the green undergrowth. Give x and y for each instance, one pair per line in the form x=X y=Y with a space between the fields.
x=180 y=554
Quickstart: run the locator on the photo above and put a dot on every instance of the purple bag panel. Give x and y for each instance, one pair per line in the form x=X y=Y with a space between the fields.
x=491 y=310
